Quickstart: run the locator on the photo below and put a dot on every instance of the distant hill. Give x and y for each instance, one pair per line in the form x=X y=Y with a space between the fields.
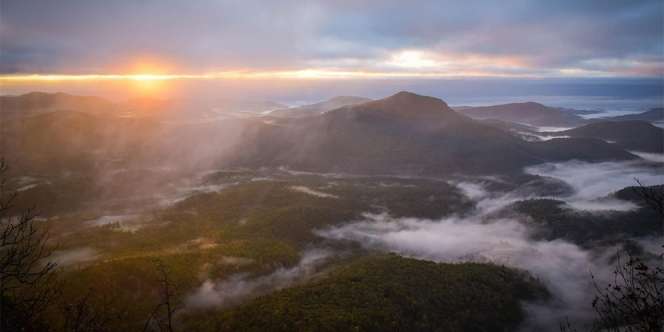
x=245 y=105
x=551 y=219
x=319 y=108
x=586 y=149
x=635 y=194
x=405 y=134
x=182 y=110
x=526 y=113
x=75 y=140
x=506 y=125
x=391 y=293
x=41 y=102
x=629 y=134
x=653 y=115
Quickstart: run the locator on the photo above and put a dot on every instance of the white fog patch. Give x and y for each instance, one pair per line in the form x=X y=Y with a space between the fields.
x=25 y=183
x=486 y=202
x=237 y=261
x=534 y=137
x=261 y=178
x=653 y=244
x=592 y=182
x=240 y=286
x=563 y=267
x=654 y=157
x=551 y=129
x=496 y=203
x=292 y=172
x=599 y=205
x=471 y=190
x=122 y=223
x=27 y=187
x=186 y=191
x=550 y=137
x=312 y=192
x=22 y=180
x=206 y=188
x=73 y=256
x=595 y=180
x=108 y=220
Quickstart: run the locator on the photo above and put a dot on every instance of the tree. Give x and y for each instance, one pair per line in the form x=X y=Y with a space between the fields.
x=634 y=301
x=162 y=315
x=28 y=285
x=25 y=277
x=654 y=198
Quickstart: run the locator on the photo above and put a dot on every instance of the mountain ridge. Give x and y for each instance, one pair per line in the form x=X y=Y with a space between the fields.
x=407 y=134
x=531 y=113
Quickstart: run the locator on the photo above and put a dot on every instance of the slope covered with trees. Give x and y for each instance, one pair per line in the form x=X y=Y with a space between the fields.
x=389 y=292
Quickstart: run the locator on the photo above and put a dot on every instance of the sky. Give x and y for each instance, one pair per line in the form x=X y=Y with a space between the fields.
x=205 y=40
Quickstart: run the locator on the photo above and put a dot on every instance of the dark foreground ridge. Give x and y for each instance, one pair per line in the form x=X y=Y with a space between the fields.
x=386 y=293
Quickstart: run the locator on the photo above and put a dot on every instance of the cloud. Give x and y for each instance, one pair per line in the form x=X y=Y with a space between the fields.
x=593 y=181
x=654 y=157
x=562 y=266
x=590 y=183
x=515 y=38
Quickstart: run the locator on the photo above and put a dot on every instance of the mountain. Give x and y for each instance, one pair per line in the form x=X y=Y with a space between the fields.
x=404 y=134
x=391 y=293
x=509 y=126
x=526 y=113
x=41 y=102
x=69 y=140
x=245 y=105
x=319 y=108
x=653 y=115
x=181 y=110
x=586 y=149
x=630 y=135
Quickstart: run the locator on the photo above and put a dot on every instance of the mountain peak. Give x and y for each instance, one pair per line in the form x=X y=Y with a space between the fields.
x=405 y=93
x=409 y=105
x=408 y=96
x=534 y=105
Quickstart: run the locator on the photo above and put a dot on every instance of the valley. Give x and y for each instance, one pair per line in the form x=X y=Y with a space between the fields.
x=281 y=217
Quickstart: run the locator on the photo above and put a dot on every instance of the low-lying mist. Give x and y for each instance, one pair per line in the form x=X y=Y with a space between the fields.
x=240 y=287
x=565 y=268
x=593 y=182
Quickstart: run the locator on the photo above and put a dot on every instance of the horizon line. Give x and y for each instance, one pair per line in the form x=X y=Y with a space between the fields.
x=302 y=74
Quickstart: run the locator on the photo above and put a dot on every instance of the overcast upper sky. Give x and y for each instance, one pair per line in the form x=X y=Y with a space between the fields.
x=459 y=38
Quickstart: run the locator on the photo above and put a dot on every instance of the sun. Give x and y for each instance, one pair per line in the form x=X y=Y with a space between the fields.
x=148 y=77
x=148 y=84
